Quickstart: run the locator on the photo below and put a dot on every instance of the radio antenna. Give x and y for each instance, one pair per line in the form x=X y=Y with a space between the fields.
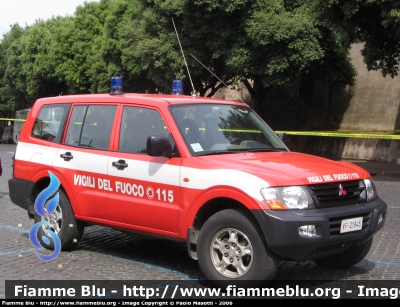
x=218 y=78
x=194 y=91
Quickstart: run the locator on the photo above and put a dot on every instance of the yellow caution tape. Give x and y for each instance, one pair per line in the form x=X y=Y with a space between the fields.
x=357 y=131
x=345 y=135
x=13 y=119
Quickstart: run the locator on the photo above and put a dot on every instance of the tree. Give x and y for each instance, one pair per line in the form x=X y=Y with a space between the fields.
x=13 y=93
x=271 y=43
x=119 y=15
x=39 y=60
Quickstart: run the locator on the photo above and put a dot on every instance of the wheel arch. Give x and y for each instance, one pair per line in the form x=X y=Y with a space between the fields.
x=39 y=186
x=61 y=222
x=215 y=205
x=208 y=209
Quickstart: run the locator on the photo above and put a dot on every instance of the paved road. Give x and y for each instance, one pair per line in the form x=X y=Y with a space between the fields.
x=110 y=255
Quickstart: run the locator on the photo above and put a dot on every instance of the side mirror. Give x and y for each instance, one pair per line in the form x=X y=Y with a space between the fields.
x=158 y=146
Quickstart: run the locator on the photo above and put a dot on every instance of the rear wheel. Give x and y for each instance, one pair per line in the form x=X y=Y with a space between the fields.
x=231 y=251
x=63 y=223
x=348 y=258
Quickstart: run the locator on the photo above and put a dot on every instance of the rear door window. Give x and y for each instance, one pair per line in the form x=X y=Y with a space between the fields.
x=91 y=126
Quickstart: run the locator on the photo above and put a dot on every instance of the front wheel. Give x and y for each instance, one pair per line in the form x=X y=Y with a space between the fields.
x=232 y=251
x=348 y=258
x=63 y=223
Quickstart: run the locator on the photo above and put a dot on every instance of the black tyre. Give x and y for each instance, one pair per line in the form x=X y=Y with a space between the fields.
x=348 y=258
x=63 y=223
x=232 y=251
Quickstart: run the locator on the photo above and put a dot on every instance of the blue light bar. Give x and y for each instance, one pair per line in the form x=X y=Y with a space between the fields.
x=116 y=86
x=177 y=87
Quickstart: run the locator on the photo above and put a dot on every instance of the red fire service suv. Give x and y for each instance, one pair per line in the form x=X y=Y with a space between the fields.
x=208 y=172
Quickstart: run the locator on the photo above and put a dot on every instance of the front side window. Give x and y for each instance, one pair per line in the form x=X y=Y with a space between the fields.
x=50 y=122
x=220 y=128
x=136 y=125
x=91 y=126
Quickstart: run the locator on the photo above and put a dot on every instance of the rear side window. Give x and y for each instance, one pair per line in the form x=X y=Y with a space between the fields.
x=90 y=126
x=49 y=124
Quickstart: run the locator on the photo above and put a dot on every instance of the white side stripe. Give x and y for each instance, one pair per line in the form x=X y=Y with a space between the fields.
x=200 y=179
x=203 y=179
x=35 y=153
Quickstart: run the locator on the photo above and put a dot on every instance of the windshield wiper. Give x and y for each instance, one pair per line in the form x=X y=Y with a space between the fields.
x=219 y=152
x=241 y=150
x=266 y=149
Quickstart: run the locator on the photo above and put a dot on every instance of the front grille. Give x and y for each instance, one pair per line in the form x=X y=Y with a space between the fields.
x=338 y=193
x=336 y=222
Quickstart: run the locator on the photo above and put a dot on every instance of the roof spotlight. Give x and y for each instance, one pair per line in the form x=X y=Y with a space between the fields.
x=116 y=86
x=177 y=87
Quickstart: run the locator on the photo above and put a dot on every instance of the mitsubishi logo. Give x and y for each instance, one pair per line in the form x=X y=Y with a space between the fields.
x=342 y=190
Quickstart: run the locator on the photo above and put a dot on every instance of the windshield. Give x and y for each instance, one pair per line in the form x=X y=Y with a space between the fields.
x=219 y=128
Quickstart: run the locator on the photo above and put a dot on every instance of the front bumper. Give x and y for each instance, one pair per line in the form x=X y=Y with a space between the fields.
x=281 y=229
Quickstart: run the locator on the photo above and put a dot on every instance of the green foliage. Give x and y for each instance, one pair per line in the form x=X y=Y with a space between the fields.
x=64 y=55
x=273 y=43
x=286 y=39
x=147 y=46
x=13 y=89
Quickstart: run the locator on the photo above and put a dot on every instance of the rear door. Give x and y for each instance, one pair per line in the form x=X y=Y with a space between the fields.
x=83 y=158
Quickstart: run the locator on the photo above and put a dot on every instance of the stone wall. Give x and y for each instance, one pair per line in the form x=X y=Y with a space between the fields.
x=373 y=104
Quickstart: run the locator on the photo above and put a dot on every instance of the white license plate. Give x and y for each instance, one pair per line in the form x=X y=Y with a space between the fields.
x=351 y=224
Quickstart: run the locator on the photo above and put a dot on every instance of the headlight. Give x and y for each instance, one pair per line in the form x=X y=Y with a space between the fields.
x=370 y=189
x=295 y=198
x=287 y=198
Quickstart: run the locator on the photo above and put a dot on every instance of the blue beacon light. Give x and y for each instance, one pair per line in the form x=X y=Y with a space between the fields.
x=116 y=86
x=177 y=87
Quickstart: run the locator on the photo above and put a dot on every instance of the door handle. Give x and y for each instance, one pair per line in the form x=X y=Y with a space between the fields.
x=67 y=156
x=120 y=164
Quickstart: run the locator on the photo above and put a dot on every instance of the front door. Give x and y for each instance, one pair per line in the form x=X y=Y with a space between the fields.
x=146 y=193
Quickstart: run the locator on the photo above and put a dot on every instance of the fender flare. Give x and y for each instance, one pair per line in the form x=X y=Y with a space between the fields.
x=187 y=219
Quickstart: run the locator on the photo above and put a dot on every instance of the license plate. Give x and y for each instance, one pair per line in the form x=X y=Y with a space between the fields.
x=351 y=224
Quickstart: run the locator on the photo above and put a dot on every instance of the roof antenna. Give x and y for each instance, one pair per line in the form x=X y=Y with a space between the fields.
x=194 y=94
x=218 y=78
